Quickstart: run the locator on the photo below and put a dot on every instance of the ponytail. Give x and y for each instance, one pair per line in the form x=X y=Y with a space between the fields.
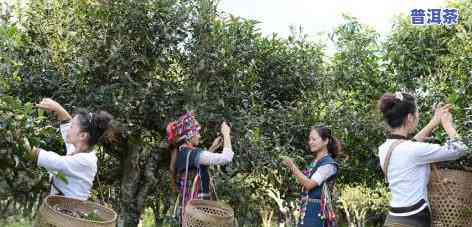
x=174 y=145
x=173 y=174
x=334 y=145
x=98 y=125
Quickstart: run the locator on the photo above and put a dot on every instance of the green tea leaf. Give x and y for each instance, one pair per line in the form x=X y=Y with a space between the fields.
x=26 y=144
x=92 y=216
x=40 y=113
x=28 y=108
x=453 y=98
x=61 y=176
x=283 y=157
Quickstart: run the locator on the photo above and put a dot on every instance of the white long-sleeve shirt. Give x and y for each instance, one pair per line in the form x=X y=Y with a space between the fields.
x=409 y=169
x=208 y=158
x=79 y=169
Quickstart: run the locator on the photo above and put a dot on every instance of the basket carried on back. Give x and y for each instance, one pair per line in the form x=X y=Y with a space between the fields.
x=51 y=213
x=450 y=195
x=207 y=213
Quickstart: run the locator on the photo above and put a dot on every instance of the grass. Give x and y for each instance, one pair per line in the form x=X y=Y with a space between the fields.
x=148 y=219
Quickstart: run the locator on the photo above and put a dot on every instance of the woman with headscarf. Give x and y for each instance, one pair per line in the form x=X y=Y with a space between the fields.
x=189 y=164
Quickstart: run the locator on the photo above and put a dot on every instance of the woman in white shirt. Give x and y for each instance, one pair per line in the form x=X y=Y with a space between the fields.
x=78 y=167
x=406 y=162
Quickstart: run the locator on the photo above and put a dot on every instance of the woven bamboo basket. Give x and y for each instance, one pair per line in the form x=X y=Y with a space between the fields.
x=48 y=216
x=450 y=195
x=207 y=213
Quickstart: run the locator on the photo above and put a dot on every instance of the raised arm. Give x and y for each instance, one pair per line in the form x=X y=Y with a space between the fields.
x=321 y=174
x=62 y=115
x=54 y=107
x=435 y=121
x=453 y=149
x=209 y=158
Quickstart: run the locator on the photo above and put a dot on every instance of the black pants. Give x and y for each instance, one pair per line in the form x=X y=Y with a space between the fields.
x=421 y=219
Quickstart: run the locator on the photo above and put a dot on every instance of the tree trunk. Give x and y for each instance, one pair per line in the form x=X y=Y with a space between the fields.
x=129 y=214
x=136 y=181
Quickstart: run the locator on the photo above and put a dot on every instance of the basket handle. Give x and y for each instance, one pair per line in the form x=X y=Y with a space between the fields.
x=176 y=205
x=194 y=183
x=185 y=181
x=389 y=155
x=212 y=185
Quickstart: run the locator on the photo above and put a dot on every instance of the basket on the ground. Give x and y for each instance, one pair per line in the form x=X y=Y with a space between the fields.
x=49 y=215
x=206 y=213
x=450 y=195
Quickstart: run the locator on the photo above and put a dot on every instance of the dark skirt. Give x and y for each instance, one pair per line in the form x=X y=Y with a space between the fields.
x=421 y=219
x=312 y=217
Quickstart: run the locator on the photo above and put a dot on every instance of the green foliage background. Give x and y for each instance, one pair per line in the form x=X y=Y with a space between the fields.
x=148 y=61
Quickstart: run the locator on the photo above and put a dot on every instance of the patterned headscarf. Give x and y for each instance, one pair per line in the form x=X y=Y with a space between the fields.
x=184 y=128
